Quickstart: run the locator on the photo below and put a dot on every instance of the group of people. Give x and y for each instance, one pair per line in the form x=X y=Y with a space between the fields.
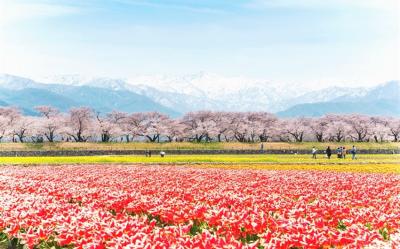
x=148 y=153
x=340 y=151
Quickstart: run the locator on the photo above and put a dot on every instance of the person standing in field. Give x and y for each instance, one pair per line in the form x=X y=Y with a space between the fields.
x=262 y=147
x=339 y=152
x=353 y=152
x=314 y=152
x=344 y=152
x=328 y=152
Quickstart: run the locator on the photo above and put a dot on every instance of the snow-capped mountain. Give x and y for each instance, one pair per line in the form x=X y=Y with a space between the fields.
x=12 y=82
x=328 y=94
x=201 y=91
x=197 y=91
x=79 y=80
x=383 y=99
x=213 y=91
x=26 y=94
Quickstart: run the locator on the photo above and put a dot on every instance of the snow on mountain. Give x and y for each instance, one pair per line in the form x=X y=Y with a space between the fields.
x=195 y=91
x=12 y=82
x=26 y=94
x=79 y=80
x=212 y=91
x=203 y=91
x=177 y=101
x=328 y=94
x=383 y=99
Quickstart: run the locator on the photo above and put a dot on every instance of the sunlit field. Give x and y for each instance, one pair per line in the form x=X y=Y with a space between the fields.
x=201 y=206
x=200 y=201
x=251 y=124
x=183 y=159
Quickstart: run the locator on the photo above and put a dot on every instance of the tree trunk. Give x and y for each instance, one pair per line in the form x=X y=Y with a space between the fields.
x=319 y=137
x=50 y=136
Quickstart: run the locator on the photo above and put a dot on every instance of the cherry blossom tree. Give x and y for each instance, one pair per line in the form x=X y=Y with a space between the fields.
x=82 y=124
x=174 y=130
x=266 y=126
x=51 y=122
x=319 y=127
x=133 y=125
x=297 y=128
x=337 y=128
x=393 y=125
x=79 y=124
x=9 y=117
x=119 y=120
x=281 y=135
x=360 y=127
x=23 y=127
x=199 y=125
x=223 y=122
x=153 y=125
x=240 y=127
x=254 y=122
x=3 y=126
x=379 y=129
x=107 y=126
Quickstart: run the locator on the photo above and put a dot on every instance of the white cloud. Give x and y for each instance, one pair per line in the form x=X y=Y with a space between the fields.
x=14 y=11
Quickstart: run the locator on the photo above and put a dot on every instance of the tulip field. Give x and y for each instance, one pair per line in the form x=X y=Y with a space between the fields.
x=199 y=206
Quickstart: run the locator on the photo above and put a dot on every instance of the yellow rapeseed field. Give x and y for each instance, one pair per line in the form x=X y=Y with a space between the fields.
x=236 y=159
x=364 y=163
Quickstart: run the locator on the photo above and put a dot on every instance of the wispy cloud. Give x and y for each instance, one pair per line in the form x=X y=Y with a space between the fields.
x=371 y=4
x=187 y=6
x=14 y=10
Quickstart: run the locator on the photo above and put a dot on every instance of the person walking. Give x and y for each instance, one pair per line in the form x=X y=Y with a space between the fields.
x=262 y=147
x=328 y=152
x=353 y=152
x=314 y=152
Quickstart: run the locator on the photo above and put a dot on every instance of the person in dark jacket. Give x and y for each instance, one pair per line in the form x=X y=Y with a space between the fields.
x=344 y=152
x=328 y=152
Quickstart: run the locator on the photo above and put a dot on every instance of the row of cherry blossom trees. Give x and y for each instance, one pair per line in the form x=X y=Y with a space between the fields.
x=83 y=124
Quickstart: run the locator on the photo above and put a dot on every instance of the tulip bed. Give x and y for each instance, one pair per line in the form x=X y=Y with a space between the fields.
x=154 y=206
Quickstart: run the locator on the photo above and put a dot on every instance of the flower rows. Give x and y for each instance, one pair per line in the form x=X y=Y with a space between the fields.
x=215 y=159
x=183 y=207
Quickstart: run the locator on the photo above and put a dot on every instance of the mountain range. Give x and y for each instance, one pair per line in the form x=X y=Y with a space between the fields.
x=203 y=91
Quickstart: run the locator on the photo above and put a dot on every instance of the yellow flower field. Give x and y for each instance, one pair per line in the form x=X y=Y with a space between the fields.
x=365 y=163
x=235 y=159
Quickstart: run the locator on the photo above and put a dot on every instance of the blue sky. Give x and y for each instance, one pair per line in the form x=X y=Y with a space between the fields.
x=301 y=41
